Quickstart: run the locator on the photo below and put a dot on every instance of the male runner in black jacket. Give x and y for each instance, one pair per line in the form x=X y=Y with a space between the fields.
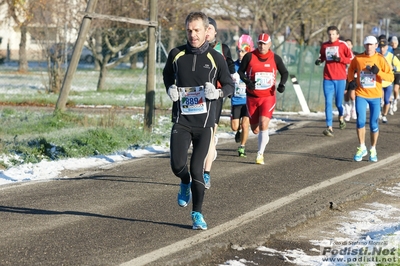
x=190 y=77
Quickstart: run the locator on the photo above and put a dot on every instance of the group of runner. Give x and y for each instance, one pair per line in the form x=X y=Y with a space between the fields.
x=365 y=80
x=388 y=48
x=200 y=73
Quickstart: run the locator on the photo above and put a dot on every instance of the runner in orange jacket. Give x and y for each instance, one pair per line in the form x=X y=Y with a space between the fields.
x=371 y=68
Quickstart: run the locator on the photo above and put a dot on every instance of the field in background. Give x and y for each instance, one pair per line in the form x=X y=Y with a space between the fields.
x=126 y=87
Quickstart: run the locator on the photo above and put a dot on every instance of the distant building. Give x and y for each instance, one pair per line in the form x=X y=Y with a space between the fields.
x=10 y=35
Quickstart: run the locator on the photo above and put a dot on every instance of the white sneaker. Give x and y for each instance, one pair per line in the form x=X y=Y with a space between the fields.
x=260 y=159
x=347 y=117
x=384 y=119
x=395 y=106
x=391 y=110
x=353 y=114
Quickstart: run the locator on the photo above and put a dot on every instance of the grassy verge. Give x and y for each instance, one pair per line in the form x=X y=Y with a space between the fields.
x=32 y=136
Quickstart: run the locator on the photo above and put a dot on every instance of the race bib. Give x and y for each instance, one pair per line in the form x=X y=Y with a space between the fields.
x=264 y=80
x=193 y=100
x=240 y=89
x=330 y=51
x=367 y=80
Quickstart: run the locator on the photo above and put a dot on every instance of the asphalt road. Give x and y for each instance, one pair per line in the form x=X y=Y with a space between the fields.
x=127 y=214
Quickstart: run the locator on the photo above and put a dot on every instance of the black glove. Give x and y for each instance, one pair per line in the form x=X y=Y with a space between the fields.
x=281 y=88
x=251 y=85
x=335 y=58
x=352 y=85
x=374 y=69
x=318 y=62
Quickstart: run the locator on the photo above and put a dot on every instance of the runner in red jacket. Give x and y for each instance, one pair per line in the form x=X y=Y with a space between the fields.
x=336 y=55
x=258 y=70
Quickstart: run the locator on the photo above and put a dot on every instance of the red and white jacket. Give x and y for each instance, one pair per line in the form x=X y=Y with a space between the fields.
x=335 y=70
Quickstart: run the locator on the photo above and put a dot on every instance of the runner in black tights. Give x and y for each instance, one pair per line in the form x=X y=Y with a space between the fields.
x=190 y=77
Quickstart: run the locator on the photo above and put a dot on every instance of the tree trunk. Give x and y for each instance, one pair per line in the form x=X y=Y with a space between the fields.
x=172 y=39
x=98 y=44
x=56 y=77
x=73 y=64
x=133 y=60
x=145 y=59
x=23 y=62
x=102 y=77
x=300 y=65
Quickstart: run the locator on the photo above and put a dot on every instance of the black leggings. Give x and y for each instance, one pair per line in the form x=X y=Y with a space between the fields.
x=397 y=79
x=181 y=138
x=219 y=103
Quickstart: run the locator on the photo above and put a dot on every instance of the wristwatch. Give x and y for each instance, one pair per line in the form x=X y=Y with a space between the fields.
x=221 y=94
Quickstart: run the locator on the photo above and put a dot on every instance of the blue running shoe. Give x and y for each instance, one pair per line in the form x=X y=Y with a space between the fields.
x=198 y=221
x=184 y=194
x=361 y=152
x=207 y=181
x=372 y=156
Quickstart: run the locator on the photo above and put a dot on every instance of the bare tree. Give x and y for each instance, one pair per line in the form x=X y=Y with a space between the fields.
x=306 y=19
x=52 y=29
x=23 y=13
x=113 y=42
x=45 y=22
x=171 y=17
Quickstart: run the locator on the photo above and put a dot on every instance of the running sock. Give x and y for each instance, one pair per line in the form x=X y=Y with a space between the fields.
x=363 y=146
x=263 y=139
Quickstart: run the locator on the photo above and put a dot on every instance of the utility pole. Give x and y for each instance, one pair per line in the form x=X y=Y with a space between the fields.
x=354 y=27
x=387 y=22
x=151 y=70
x=73 y=64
